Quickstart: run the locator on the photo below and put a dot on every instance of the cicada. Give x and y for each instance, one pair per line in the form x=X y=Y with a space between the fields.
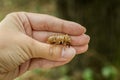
x=59 y=39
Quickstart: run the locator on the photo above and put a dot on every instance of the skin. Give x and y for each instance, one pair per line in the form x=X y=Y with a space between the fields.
x=23 y=44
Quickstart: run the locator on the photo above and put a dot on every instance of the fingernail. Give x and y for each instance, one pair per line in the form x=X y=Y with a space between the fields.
x=68 y=52
x=85 y=30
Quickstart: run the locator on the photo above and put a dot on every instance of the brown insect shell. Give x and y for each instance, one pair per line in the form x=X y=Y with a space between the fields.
x=59 y=39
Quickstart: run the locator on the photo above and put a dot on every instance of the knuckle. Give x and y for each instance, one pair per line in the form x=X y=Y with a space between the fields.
x=55 y=52
x=13 y=14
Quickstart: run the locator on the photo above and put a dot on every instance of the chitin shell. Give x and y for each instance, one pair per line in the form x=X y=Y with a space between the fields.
x=60 y=39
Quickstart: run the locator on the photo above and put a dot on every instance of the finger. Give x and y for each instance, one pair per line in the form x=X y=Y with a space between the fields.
x=44 y=22
x=42 y=36
x=81 y=49
x=75 y=40
x=80 y=40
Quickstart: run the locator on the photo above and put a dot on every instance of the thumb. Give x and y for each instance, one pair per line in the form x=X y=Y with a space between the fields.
x=51 y=52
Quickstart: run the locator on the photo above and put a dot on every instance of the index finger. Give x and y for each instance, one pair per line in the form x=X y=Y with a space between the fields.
x=49 y=23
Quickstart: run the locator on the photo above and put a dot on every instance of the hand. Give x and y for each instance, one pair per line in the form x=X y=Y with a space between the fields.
x=23 y=44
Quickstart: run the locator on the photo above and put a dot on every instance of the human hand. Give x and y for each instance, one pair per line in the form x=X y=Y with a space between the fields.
x=23 y=44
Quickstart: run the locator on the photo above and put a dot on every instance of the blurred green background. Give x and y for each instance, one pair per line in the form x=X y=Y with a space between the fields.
x=102 y=20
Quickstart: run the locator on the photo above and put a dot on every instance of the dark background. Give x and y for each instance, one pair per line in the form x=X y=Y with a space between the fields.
x=102 y=21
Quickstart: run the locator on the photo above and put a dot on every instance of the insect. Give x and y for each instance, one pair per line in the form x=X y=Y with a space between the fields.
x=60 y=39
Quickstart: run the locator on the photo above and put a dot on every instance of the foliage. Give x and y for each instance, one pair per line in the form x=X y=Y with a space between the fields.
x=109 y=72
x=88 y=74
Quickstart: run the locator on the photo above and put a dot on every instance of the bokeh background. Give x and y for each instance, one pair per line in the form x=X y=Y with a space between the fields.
x=102 y=20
